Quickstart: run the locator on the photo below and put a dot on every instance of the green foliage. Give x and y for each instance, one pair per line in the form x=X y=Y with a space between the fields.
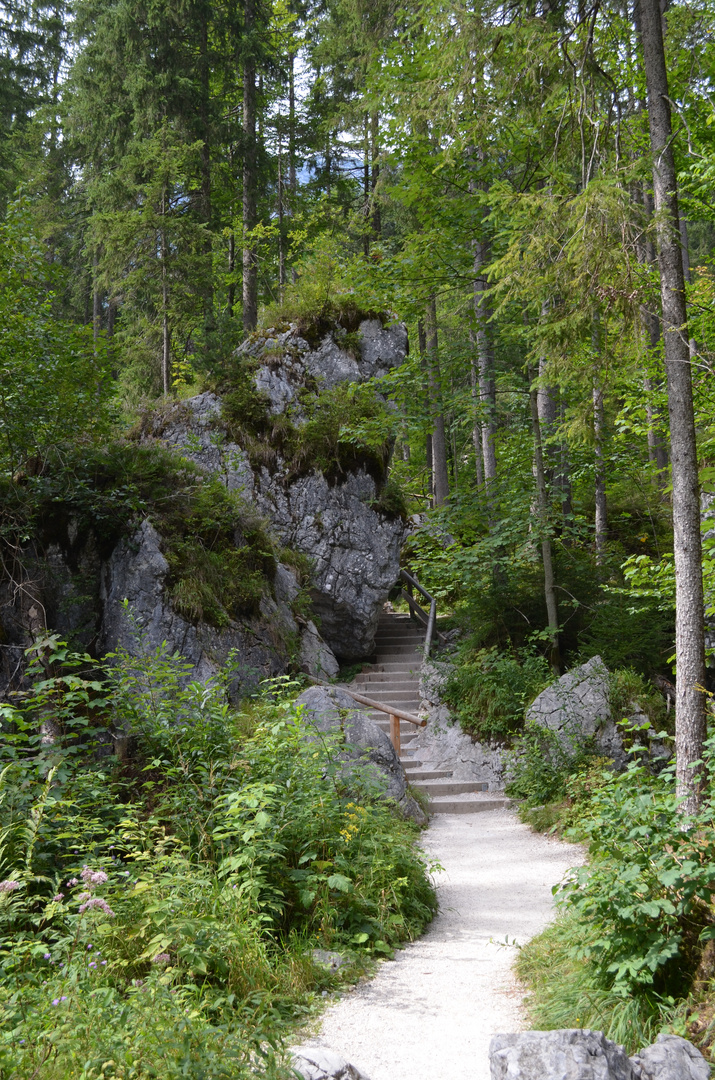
x=157 y=915
x=488 y=691
x=53 y=385
x=220 y=555
x=541 y=764
x=565 y=992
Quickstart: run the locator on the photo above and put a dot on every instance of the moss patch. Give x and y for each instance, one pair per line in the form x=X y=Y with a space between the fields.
x=220 y=555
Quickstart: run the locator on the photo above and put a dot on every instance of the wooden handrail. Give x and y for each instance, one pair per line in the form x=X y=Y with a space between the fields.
x=429 y=620
x=392 y=711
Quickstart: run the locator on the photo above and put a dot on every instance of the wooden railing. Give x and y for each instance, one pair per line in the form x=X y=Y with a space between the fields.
x=395 y=715
x=420 y=614
x=392 y=711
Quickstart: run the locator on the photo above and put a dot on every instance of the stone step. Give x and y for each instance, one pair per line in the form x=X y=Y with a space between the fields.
x=403 y=636
x=454 y=787
x=398 y=650
x=416 y=774
x=473 y=805
x=393 y=667
x=391 y=696
x=393 y=686
x=408 y=677
x=408 y=764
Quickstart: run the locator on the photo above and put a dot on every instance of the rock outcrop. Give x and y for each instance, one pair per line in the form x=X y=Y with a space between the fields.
x=367 y=746
x=137 y=615
x=334 y=520
x=580 y=1054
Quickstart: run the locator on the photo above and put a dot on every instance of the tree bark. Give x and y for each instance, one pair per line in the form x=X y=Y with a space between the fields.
x=165 y=329
x=600 y=473
x=250 y=264
x=542 y=510
x=689 y=611
x=476 y=426
x=650 y=325
x=374 y=152
x=440 y=475
x=96 y=301
x=485 y=360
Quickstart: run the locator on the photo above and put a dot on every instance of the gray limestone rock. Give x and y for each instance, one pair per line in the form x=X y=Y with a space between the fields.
x=136 y=572
x=194 y=429
x=568 y=1054
x=443 y=745
x=315 y=656
x=319 y=1063
x=577 y=708
x=354 y=549
x=332 y=709
x=671 y=1058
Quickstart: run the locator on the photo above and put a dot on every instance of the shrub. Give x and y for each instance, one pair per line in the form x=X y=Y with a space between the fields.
x=157 y=915
x=489 y=690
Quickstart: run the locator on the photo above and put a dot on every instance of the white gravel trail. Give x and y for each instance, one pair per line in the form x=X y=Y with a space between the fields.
x=430 y=1013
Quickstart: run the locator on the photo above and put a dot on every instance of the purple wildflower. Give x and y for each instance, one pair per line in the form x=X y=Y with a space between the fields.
x=73 y=881
x=58 y=897
x=9 y=886
x=93 y=877
x=56 y=1001
x=93 y=964
x=104 y=963
x=83 y=896
x=161 y=958
x=96 y=902
x=47 y=956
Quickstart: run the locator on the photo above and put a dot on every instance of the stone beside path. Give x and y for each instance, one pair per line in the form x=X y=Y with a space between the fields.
x=430 y=1013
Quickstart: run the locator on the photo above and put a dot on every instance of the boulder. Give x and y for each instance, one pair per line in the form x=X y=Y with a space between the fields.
x=568 y=1054
x=580 y=1054
x=319 y=1063
x=671 y=1058
x=367 y=746
x=577 y=709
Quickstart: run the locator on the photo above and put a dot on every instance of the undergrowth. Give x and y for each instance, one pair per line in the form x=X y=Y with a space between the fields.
x=158 y=913
x=629 y=952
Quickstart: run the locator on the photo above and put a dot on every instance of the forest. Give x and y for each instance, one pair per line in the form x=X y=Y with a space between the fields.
x=529 y=187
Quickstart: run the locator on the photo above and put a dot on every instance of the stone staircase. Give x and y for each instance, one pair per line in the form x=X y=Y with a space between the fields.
x=393 y=679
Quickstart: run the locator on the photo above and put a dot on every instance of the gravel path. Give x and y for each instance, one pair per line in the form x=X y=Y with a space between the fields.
x=430 y=1013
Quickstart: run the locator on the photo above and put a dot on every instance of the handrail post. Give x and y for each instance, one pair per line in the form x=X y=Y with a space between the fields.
x=430 y=627
x=395 y=733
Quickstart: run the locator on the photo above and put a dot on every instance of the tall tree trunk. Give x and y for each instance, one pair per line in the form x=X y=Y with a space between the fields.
x=96 y=301
x=291 y=128
x=689 y=611
x=165 y=331
x=650 y=326
x=600 y=473
x=250 y=264
x=366 y=186
x=429 y=456
x=374 y=155
x=205 y=119
x=485 y=360
x=542 y=510
x=476 y=425
x=440 y=472
x=281 y=225
x=231 y=270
